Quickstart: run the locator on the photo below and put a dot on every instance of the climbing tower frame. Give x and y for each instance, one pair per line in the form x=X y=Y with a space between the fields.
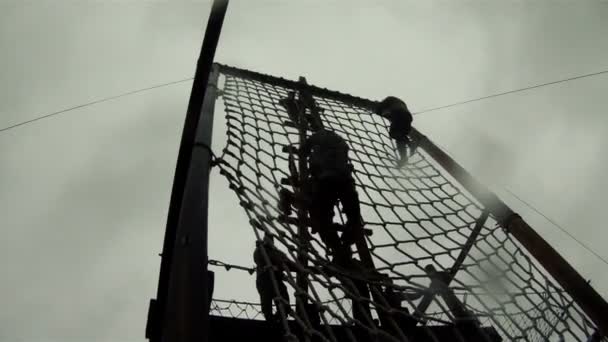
x=180 y=311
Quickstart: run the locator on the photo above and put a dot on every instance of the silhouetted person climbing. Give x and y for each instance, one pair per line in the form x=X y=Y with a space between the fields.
x=264 y=273
x=331 y=181
x=396 y=111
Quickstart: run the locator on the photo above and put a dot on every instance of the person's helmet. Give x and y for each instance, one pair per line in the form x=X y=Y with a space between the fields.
x=388 y=103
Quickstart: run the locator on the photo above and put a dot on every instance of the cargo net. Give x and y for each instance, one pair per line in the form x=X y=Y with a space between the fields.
x=437 y=250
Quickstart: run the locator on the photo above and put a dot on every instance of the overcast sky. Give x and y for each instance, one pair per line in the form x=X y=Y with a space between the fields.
x=85 y=194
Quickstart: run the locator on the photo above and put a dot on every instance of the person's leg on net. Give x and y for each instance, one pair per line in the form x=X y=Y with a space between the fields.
x=285 y=201
x=331 y=240
x=322 y=214
x=402 y=149
x=352 y=209
x=284 y=295
x=397 y=133
x=264 y=287
x=341 y=253
x=412 y=145
x=362 y=308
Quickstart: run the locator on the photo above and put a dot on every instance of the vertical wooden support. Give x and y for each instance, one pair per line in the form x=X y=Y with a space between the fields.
x=181 y=310
x=186 y=315
x=581 y=291
x=303 y=235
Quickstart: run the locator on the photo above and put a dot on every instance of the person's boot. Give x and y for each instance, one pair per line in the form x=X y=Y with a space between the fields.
x=285 y=201
x=403 y=157
x=342 y=257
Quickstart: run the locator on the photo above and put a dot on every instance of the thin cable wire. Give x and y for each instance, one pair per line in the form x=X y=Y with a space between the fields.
x=565 y=231
x=105 y=99
x=511 y=92
x=189 y=79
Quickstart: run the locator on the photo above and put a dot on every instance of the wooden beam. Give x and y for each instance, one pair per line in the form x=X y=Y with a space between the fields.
x=180 y=312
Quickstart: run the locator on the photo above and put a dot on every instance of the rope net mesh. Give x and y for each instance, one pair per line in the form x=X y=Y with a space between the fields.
x=418 y=217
